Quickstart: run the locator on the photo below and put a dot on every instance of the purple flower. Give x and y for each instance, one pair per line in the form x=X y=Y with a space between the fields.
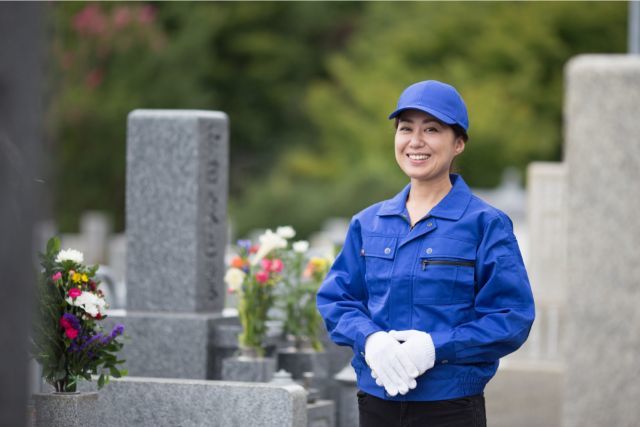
x=117 y=330
x=72 y=320
x=244 y=244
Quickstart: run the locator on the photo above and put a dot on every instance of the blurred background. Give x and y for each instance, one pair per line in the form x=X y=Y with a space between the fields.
x=308 y=87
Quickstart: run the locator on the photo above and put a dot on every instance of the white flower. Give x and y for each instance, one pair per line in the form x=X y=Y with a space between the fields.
x=268 y=242
x=89 y=302
x=286 y=232
x=234 y=278
x=301 y=246
x=70 y=255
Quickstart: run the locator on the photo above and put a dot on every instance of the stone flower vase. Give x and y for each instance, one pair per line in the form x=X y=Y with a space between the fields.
x=66 y=409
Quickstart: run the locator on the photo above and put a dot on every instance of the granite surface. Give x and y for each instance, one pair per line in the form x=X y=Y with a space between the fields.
x=135 y=401
x=172 y=345
x=176 y=204
x=248 y=369
x=602 y=131
x=66 y=409
x=321 y=413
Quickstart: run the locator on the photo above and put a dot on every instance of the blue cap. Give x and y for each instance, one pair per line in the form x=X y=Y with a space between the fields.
x=438 y=99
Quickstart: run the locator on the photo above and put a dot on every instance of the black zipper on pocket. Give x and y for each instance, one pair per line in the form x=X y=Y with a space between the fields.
x=446 y=262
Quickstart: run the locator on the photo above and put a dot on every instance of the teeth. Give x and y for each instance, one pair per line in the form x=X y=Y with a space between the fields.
x=419 y=156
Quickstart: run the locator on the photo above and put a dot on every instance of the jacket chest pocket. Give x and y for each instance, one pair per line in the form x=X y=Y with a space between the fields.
x=445 y=273
x=379 y=254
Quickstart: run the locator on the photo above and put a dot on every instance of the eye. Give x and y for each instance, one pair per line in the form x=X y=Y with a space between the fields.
x=431 y=129
x=404 y=129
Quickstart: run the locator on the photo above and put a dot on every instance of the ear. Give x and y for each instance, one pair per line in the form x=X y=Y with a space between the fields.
x=459 y=145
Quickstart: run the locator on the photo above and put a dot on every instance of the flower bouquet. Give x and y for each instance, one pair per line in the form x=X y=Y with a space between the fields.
x=303 y=276
x=68 y=340
x=253 y=275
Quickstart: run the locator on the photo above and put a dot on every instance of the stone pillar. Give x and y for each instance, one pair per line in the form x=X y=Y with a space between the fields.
x=177 y=173
x=177 y=163
x=547 y=263
x=602 y=351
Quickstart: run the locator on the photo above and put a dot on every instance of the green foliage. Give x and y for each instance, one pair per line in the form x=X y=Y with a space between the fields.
x=505 y=58
x=308 y=86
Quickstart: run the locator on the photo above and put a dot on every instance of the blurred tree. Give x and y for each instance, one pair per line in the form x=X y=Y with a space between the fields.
x=251 y=60
x=308 y=86
x=505 y=58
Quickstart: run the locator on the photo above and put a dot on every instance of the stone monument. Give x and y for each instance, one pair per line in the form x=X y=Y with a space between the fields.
x=602 y=132
x=176 y=202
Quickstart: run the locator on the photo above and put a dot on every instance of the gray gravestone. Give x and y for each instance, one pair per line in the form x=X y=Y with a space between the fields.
x=176 y=235
x=177 y=162
x=197 y=403
x=602 y=113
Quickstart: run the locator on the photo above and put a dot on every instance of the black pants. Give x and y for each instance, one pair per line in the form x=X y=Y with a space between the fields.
x=463 y=412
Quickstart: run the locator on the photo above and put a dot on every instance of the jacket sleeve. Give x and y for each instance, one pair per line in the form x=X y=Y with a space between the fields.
x=504 y=308
x=342 y=297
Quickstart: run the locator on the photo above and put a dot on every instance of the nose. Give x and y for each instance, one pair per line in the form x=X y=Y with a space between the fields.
x=416 y=140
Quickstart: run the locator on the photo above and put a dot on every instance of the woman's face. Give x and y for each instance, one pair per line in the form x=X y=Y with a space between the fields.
x=425 y=148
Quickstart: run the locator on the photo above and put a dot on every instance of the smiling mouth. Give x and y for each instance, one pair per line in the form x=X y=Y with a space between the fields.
x=418 y=156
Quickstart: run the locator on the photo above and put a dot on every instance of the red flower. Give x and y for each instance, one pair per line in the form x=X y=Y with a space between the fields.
x=266 y=264
x=64 y=323
x=262 y=276
x=71 y=333
x=253 y=249
x=74 y=292
x=277 y=265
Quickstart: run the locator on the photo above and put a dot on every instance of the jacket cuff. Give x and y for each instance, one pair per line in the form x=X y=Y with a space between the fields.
x=445 y=347
x=363 y=333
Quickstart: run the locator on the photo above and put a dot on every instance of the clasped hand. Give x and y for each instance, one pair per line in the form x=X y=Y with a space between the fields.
x=397 y=358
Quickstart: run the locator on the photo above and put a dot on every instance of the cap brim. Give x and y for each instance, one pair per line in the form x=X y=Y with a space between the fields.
x=437 y=114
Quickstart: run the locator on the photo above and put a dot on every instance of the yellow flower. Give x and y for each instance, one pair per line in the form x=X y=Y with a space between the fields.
x=85 y=278
x=76 y=277
x=319 y=264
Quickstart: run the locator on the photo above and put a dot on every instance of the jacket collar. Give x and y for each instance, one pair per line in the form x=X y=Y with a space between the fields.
x=452 y=206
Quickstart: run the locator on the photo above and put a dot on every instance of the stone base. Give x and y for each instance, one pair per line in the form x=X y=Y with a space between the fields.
x=172 y=345
x=347 y=401
x=66 y=409
x=151 y=402
x=297 y=362
x=321 y=413
x=248 y=369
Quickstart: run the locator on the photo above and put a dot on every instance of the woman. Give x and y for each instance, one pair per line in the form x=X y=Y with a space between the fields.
x=429 y=289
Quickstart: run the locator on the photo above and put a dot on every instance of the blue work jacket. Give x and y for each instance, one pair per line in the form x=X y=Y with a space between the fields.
x=457 y=274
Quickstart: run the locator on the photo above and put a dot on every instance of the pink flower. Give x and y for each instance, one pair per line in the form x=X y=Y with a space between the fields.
x=56 y=276
x=64 y=323
x=277 y=265
x=146 y=14
x=266 y=264
x=262 y=276
x=71 y=333
x=90 y=20
x=121 y=16
x=74 y=292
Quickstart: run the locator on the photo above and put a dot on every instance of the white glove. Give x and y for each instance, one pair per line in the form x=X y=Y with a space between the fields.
x=418 y=346
x=391 y=366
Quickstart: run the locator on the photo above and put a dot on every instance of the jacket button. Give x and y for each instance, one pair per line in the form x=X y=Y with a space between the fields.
x=429 y=250
x=429 y=224
x=387 y=251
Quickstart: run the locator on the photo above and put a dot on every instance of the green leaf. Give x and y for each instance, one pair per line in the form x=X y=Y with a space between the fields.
x=101 y=381
x=53 y=245
x=115 y=372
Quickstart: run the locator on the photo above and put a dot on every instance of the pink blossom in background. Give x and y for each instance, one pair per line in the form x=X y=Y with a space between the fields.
x=75 y=292
x=147 y=14
x=262 y=276
x=121 y=16
x=266 y=264
x=56 y=276
x=90 y=20
x=277 y=265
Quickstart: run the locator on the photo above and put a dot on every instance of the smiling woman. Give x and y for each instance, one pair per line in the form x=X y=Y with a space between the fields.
x=430 y=289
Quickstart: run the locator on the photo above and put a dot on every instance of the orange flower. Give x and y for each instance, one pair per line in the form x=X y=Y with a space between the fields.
x=237 y=262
